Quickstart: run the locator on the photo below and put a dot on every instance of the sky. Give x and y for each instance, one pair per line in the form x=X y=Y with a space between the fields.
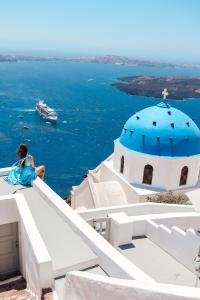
x=164 y=30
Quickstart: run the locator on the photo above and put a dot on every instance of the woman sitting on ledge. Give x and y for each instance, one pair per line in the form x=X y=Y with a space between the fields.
x=24 y=170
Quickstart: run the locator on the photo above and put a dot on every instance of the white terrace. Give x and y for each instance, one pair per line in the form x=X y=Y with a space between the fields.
x=138 y=250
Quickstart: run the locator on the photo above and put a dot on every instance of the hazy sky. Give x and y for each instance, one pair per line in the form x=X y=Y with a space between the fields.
x=158 y=29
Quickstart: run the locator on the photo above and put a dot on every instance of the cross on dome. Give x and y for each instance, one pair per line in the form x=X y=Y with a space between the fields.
x=165 y=94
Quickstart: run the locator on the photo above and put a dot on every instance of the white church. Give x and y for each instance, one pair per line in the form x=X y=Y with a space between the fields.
x=158 y=151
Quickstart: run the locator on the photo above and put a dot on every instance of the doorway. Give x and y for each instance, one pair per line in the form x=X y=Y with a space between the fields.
x=9 y=251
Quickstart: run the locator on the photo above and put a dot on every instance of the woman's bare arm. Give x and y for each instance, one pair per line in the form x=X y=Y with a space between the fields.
x=32 y=161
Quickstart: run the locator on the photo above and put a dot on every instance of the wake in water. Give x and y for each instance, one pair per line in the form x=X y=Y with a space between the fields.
x=24 y=109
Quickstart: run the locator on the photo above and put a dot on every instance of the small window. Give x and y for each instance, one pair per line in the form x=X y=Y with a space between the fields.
x=148 y=174
x=184 y=176
x=122 y=165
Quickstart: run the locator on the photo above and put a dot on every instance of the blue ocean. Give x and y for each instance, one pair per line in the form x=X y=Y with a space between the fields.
x=91 y=114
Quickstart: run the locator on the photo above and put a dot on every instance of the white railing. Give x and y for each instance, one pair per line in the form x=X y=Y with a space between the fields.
x=137 y=209
x=101 y=225
x=36 y=261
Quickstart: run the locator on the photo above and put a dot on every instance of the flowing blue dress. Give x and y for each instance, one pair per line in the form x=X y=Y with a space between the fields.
x=21 y=175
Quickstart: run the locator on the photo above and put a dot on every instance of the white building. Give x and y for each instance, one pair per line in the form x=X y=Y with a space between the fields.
x=158 y=151
x=139 y=251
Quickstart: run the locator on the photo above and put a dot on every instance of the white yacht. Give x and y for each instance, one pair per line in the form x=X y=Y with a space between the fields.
x=46 y=112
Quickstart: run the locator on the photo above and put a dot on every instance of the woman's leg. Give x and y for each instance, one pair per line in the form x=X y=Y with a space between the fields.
x=40 y=172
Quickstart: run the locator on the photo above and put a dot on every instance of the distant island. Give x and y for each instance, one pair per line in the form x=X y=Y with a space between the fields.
x=179 y=87
x=7 y=58
x=102 y=59
x=120 y=60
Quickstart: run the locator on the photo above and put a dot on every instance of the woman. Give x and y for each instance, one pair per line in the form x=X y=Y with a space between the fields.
x=24 y=171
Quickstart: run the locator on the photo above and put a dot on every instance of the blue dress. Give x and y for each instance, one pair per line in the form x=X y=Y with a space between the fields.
x=21 y=175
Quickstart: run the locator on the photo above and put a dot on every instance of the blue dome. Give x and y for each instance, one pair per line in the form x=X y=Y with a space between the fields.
x=163 y=131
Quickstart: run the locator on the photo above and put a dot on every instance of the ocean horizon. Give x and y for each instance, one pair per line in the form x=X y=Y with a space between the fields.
x=91 y=114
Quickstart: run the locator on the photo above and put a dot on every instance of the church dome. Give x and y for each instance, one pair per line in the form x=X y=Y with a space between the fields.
x=161 y=130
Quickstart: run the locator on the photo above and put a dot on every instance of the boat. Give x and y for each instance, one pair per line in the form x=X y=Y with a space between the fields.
x=46 y=112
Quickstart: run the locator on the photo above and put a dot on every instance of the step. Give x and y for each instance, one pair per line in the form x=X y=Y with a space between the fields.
x=15 y=288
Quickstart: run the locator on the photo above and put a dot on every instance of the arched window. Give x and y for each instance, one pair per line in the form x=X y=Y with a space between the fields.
x=122 y=165
x=148 y=174
x=184 y=175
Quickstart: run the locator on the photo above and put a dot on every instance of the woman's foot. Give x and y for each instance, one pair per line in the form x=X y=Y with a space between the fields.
x=40 y=172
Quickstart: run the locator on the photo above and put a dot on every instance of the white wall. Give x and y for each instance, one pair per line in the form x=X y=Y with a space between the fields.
x=123 y=227
x=130 y=220
x=162 y=166
x=82 y=197
x=109 y=193
x=194 y=197
x=136 y=210
x=183 y=246
x=86 y=286
x=120 y=229
x=108 y=175
x=35 y=262
x=183 y=221
x=8 y=210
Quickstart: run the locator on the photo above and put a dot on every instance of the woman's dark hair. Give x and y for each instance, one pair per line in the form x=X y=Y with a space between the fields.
x=22 y=152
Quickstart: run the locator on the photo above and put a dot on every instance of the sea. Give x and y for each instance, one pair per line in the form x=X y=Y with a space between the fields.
x=91 y=114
